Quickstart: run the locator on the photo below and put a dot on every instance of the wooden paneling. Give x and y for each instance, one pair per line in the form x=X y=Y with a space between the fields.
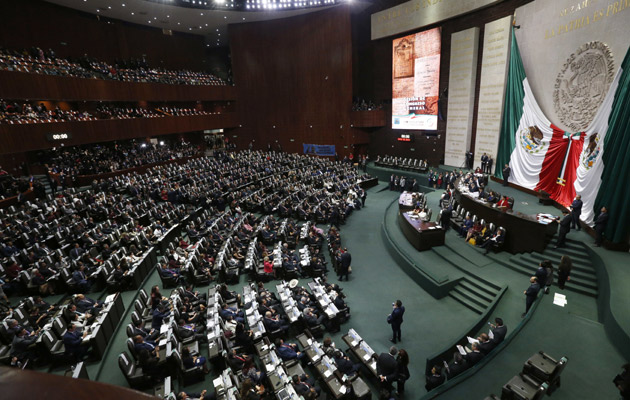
x=20 y=85
x=367 y=119
x=295 y=74
x=27 y=137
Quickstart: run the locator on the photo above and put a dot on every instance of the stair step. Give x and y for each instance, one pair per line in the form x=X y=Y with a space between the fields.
x=472 y=294
x=571 y=286
x=578 y=280
x=583 y=263
x=522 y=266
x=569 y=244
x=550 y=252
x=464 y=301
x=477 y=286
x=581 y=271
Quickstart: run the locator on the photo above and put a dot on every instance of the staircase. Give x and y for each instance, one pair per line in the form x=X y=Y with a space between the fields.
x=583 y=278
x=475 y=293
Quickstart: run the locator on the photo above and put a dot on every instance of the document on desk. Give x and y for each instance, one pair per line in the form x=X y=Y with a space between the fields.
x=461 y=350
x=162 y=342
x=327 y=373
x=366 y=357
x=110 y=298
x=471 y=340
x=164 y=328
x=343 y=389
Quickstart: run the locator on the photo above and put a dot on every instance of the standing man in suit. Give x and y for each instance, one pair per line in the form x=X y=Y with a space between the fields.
x=345 y=260
x=396 y=320
x=530 y=294
x=489 y=165
x=565 y=227
x=576 y=211
x=484 y=162
x=499 y=331
x=600 y=226
x=506 y=174
x=387 y=367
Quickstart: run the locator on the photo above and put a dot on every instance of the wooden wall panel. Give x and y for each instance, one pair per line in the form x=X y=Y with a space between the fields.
x=27 y=137
x=19 y=85
x=297 y=76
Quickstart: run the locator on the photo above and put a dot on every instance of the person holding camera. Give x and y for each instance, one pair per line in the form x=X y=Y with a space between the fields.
x=395 y=319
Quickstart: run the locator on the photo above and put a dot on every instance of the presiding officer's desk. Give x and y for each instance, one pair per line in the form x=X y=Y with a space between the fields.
x=422 y=235
x=523 y=232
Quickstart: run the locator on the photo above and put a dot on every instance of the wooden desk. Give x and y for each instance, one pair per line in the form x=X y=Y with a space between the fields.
x=422 y=235
x=524 y=234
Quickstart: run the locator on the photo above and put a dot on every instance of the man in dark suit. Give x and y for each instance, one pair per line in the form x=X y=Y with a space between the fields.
x=396 y=320
x=148 y=336
x=456 y=367
x=499 y=331
x=387 y=367
x=288 y=351
x=305 y=387
x=158 y=317
x=485 y=344
x=73 y=340
x=506 y=174
x=531 y=293
x=435 y=379
x=600 y=226
x=484 y=162
x=20 y=346
x=576 y=211
x=345 y=260
x=565 y=227
x=474 y=356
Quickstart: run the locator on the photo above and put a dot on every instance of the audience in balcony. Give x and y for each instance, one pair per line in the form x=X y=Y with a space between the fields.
x=11 y=112
x=37 y=61
x=360 y=104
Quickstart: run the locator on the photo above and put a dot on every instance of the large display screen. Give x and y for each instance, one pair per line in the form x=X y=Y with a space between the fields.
x=415 y=80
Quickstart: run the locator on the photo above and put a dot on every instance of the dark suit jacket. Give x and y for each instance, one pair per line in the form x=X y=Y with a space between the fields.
x=486 y=347
x=532 y=291
x=397 y=316
x=72 y=341
x=345 y=261
x=499 y=334
x=387 y=366
x=576 y=207
x=473 y=358
x=601 y=221
x=565 y=224
x=456 y=369
x=434 y=381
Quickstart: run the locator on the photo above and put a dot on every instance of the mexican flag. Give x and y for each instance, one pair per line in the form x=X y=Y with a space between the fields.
x=602 y=163
x=593 y=163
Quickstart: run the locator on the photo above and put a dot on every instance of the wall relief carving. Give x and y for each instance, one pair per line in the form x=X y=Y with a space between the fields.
x=582 y=85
